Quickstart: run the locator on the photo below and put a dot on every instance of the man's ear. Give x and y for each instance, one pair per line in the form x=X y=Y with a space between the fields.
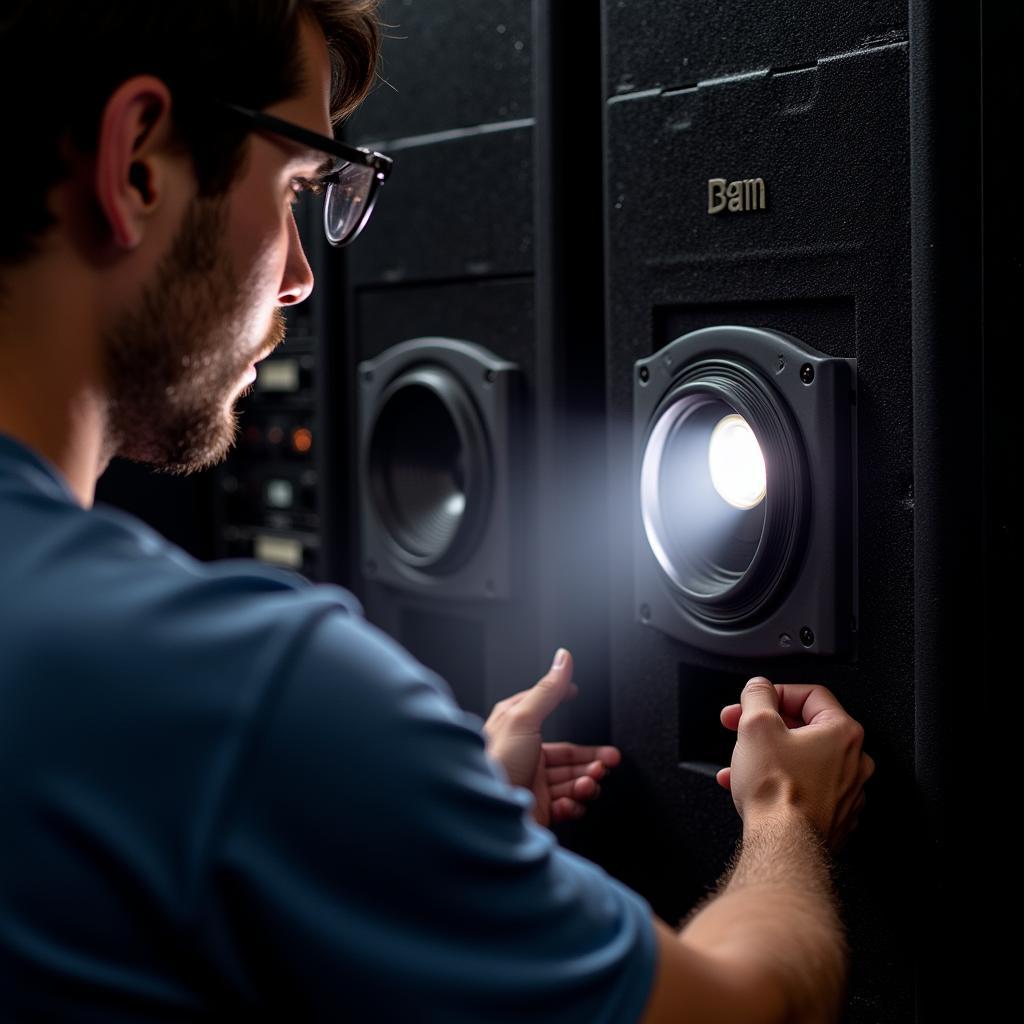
x=133 y=155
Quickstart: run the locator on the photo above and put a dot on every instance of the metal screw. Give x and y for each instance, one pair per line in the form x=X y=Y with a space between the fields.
x=367 y=376
x=645 y=612
x=645 y=375
x=807 y=373
x=489 y=376
x=807 y=636
x=782 y=364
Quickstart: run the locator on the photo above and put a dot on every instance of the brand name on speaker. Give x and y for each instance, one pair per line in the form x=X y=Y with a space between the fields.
x=735 y=196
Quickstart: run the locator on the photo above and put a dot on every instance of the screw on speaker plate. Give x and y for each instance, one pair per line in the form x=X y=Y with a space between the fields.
x=807 y=636
x=490 y=376
x=645 y=612
x=367 y=376
x=645 y=375
x=807 y=373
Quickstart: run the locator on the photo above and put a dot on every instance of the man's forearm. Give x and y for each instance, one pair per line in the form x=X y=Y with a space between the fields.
x=775 y=914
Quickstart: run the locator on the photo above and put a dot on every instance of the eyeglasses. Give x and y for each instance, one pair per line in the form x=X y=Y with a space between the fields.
x=350 y=178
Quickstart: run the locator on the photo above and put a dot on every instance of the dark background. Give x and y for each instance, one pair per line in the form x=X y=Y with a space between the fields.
x=549 y=203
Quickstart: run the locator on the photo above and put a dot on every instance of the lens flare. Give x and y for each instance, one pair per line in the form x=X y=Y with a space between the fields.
x=736 y=463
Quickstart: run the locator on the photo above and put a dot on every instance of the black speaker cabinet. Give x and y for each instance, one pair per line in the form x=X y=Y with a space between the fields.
x=478 y=406
x=798 y=242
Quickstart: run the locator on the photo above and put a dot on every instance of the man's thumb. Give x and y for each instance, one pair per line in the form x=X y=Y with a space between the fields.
x=549 y=692
x=759 y=694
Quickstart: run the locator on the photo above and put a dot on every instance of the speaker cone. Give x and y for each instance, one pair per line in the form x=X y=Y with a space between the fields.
x=429 y=469
x=723 y=492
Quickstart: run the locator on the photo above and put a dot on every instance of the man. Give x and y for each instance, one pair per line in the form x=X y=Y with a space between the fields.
x=223 y=792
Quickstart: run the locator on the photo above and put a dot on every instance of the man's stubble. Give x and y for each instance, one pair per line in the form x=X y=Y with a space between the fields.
x=173 y=364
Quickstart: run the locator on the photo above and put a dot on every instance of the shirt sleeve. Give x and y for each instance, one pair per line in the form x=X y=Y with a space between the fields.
x=374 y=864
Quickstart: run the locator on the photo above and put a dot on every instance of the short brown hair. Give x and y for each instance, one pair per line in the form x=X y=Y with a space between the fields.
x=60 y=60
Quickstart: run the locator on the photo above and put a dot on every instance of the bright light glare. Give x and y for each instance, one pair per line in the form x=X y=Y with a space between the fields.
x=455 y=505
x=736 y=463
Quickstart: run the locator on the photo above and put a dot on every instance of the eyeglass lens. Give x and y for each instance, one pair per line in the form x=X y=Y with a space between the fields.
x=348 y=201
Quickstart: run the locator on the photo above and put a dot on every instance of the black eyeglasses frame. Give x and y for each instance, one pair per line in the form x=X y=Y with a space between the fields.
x=380 y=163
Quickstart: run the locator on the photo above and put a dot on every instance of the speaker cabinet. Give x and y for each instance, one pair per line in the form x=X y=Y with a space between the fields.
x=813 y=176
x=478 y=425
x=759 y=260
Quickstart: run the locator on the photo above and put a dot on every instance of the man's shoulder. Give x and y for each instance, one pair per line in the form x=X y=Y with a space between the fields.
x=98 y=592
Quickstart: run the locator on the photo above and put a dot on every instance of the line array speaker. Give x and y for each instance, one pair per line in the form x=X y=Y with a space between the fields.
x=478 y=423
x=759 y=325
x=798 y=187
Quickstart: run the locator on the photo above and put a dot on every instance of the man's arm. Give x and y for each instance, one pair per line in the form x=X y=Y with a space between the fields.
x=769 y=947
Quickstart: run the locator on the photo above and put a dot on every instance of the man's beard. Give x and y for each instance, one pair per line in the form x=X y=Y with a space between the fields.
x=174 y=361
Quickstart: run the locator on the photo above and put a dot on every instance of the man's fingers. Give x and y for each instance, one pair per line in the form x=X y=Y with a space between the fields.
x=567 y=772
x=724 y=778
x=508 y=703
x=730 y=716
x=575 y=753
x=759 y=697
x=583 y=788
x=806 y=702
x=797 y=703
x=565 y=809
x=540 y=700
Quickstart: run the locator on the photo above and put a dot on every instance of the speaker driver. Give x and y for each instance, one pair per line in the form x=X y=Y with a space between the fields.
x=723 y=491
x=429 y=469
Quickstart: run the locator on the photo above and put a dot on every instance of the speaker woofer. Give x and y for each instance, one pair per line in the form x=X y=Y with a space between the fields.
x=753 y=556
x=727 y=564
x=439 y=451
x=429 y=469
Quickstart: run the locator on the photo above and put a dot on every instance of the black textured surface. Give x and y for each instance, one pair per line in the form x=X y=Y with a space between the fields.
x=449 y=64
x=827 y=261
x=967 y=285
x=497 y=315
x=453 y=209
x=831 y=149
x=673 y=44
x=452 y=252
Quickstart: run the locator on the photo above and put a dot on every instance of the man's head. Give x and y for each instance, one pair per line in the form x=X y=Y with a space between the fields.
x=174 y=216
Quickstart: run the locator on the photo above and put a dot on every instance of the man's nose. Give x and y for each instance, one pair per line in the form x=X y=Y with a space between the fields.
x=297 y=282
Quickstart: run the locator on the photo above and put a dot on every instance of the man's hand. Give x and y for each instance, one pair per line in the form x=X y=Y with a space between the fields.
x=561 y=776
x=796 y=748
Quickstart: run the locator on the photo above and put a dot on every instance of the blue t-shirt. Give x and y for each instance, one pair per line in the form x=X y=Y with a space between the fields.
x=223 y=792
